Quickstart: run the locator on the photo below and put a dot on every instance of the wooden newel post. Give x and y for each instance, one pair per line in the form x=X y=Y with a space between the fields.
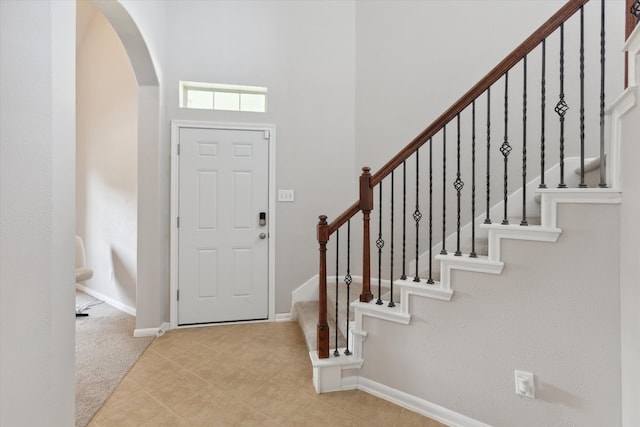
x=366 y=206
x=323 y=326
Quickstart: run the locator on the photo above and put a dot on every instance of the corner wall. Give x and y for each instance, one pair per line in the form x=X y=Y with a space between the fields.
x=37 y=213
x=629 y=243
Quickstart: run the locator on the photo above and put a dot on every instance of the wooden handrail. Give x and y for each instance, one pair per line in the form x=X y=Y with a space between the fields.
x=342 y=219
x=544 y=31
x=368 y=181
x=493 y=76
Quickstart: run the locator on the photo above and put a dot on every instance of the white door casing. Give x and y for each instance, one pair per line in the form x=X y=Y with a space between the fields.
x=222 y=263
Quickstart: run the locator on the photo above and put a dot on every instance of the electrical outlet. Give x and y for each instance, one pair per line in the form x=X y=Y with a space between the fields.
x=525 y=385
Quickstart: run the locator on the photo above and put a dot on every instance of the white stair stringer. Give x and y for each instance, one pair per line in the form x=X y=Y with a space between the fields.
x=481 y=264
x=341 y=373
x=514 y=213
x=532 y=232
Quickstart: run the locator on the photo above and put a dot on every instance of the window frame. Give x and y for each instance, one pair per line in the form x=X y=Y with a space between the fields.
x=213 y=88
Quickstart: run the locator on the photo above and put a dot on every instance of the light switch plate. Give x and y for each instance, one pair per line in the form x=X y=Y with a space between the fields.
x=286 y=196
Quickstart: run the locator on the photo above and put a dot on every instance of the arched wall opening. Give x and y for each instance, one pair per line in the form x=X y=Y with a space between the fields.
x=134 y=266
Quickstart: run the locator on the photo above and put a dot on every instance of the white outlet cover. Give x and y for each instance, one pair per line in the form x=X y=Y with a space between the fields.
x=525 y=384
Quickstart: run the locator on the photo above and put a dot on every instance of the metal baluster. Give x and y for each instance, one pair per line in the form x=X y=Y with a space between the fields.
x=348 y=280
x=635 y=9
x=487 y=220
x=543 y=101
x=404 y=220
x=603 y=179
x=458 y=184
x=417 y=216
x=524 y=144
x=380 y=245
x=505 y=148
x=391 y=303
x=561 y=108
x=336 y=353
x=473 y=181
x=582 y=183
x=430 y=279
x=444 y=192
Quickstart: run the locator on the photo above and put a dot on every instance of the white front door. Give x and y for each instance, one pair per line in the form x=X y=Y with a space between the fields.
x=223 y=225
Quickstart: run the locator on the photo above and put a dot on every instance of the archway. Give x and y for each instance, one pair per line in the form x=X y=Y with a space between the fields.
x=151 y=224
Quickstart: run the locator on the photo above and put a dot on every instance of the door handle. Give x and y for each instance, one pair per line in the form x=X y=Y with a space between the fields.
x=262 y=235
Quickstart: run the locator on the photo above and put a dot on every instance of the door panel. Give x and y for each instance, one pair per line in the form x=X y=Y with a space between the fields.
x=222 y=260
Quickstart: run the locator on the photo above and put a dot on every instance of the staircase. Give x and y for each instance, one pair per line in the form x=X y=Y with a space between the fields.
x=439 y=323
x=306 y=312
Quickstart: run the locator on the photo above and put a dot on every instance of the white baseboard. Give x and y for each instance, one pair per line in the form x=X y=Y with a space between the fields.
x=283 y=317
x=113 y=303
x=415 y=404
x=152 y=332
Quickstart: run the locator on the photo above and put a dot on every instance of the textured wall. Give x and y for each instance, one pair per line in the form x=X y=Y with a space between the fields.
x=37 y=213
x=554 y=311
x=629 y=265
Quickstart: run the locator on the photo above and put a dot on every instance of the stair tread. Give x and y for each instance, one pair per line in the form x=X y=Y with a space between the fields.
x=306 y=312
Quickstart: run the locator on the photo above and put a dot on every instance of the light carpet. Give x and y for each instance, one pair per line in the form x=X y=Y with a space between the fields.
x=105 y=351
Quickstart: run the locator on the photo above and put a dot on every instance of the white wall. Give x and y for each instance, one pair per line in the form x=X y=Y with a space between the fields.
x=106 y=162
x=304 y=53
x=629 y=266
x=372 y=90
x=131 y=19
x=416 y=58
x=37 y=213
x=558 y=318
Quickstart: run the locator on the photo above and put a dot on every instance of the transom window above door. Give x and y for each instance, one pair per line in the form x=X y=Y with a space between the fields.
x=211 y=96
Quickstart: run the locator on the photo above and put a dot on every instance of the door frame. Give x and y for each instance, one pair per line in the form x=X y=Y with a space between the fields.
x=176 y=125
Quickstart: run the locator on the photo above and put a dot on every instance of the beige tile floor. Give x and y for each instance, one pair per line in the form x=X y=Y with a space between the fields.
x=238 y=375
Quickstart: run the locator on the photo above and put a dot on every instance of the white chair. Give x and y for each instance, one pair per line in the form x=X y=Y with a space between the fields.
x=83 y=272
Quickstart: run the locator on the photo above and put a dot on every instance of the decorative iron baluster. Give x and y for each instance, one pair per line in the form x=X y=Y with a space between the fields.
x=417 y=216
x=505 y=148
x=582 y=183
x=543 y=102
x=458 y=184
x=635 y=9
x=430 y=279
x=380 y=245
x=487 y=220
x=391 y=303
x=561 y=108
x=336 y=353
x=524 y=144
x=603 y=179
x=348 y=280
x=473 y=181
x=444 y=192
x=404 y=220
